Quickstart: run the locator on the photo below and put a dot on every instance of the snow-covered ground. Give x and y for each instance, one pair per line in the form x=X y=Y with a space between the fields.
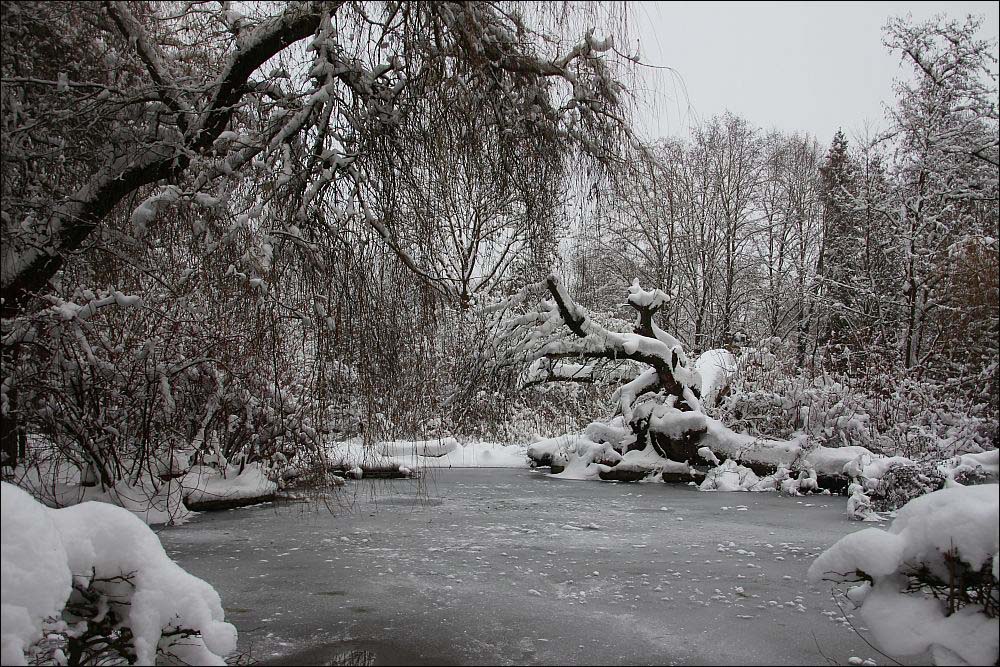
x=515 y=567
x=414 y=455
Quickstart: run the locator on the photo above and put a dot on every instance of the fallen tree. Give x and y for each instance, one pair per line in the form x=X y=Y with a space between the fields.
x=660 y=404
x=658 y=426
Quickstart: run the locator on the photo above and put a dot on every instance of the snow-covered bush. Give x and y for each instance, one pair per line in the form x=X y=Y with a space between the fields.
x=903 y=482
x=123 y=390
x=928 y=417
x=893 y=482
x=885 y=412
x=929 y=583
x=772 y=396
x=91 y=584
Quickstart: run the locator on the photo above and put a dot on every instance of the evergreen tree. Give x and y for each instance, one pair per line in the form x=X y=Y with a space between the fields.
x=878 y=275
x=839 y=255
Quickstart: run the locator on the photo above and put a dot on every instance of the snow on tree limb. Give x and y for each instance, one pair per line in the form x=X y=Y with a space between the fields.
x=550 y=370
x=158 y=72
x=74 y=220
x=540 y=337
x=188 y=116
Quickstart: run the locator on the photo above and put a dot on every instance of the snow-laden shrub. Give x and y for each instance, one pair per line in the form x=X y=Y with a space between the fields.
x=929 y=583
x=447 y=386
x=887 y=412
x=902 y=483
x=91 y=584
x=770 y=395
x=130 y=390
x=886 y=484
x=928 y=417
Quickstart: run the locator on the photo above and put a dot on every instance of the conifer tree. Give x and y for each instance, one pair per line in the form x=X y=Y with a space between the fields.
x=839 y=253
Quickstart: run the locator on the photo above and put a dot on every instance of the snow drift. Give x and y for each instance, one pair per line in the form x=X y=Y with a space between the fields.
x=952 y=536
x=52 y=557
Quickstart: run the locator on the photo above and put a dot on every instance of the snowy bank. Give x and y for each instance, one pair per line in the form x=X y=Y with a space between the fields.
x=155 y=501
x=406 y=456
x=947 y=540
x=725 y=460
x=205 y=487
x=60 y=485
x=97 y=569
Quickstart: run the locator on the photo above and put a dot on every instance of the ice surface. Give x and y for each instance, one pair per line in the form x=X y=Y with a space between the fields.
x=442 y=567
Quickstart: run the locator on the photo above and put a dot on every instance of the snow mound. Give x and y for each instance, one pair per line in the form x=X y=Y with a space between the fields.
x=582 y=458
x=832 y=460
x=670 y=421
x=730 y=476
x=988 y=463
x=615 y=431
x=716 y=368
x=648 y=461
x=470 y=455
x=742 y=447
x=34 y=578
x=419 y=447
x=543 y=451
x=109 y=550
x=954 y=523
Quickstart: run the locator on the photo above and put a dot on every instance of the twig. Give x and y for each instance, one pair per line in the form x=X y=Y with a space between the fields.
x=843 y=613
x=828 y=659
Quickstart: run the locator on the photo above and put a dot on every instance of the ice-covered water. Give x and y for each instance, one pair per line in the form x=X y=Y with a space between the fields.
x=513 y=567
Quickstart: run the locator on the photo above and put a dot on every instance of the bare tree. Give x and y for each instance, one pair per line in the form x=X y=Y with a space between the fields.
x=945 y=130
x=179 y=151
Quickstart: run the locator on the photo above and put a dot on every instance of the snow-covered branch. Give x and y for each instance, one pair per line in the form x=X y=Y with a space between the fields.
x=648 y=344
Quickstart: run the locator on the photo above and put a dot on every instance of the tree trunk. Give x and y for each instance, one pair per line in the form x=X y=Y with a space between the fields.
x=12 y=440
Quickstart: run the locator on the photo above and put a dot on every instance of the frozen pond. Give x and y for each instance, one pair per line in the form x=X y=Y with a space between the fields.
x=508 y=566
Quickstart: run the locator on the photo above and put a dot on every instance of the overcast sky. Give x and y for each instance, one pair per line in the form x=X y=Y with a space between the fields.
x=807 y=66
